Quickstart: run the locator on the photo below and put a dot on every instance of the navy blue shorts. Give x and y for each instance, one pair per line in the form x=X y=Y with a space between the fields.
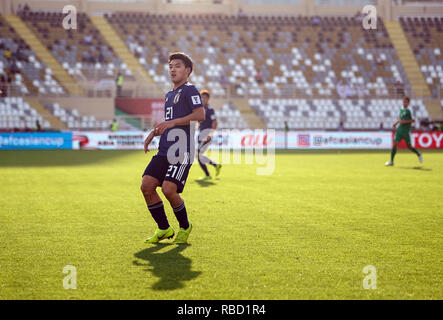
x=162 y=170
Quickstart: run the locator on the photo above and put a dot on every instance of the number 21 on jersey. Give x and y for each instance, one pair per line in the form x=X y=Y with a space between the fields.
x=169 y=112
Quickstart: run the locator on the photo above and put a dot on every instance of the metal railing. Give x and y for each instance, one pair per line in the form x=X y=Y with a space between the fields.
x=146 y=123
x=131 y=89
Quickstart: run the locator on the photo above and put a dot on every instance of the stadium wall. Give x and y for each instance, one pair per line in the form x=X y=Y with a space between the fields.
x=101 y=108
x=385 y=9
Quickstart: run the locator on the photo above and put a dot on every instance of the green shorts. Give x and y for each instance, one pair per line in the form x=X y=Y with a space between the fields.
x=400 y=134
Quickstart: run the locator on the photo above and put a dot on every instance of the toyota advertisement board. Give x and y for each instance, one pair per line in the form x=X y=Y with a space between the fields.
x=425 y=140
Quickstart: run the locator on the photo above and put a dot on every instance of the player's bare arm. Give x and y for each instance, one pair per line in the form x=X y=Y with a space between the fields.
x=198 y=114
x=148 y=139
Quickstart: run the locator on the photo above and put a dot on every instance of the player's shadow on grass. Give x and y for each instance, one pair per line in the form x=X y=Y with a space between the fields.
x=416 y=168
x=171 y=267
x=205 y=183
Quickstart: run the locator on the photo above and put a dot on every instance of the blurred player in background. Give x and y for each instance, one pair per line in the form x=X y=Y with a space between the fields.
x=404 y=132
x=183 y=105
x=207 y=128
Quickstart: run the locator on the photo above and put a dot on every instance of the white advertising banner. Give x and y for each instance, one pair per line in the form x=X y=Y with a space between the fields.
x=110 y=140
x=339 y=140
x=244 y=139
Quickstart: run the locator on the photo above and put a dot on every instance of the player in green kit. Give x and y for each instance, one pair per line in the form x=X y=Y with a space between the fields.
x=404 y=132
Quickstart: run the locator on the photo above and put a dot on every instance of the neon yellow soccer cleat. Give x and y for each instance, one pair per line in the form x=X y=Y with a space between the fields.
x=217 y=170
x=205 y=178
x=182 y=236
x=161 y=235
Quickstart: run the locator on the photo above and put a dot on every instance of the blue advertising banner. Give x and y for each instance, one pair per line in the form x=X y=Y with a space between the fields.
x=35 y=140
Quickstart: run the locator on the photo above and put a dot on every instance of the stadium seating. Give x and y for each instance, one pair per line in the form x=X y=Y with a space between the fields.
x=27 y=73
x=15 y=113
x=82 y=52
x=229 y=117
x=425 y=36
x=74 y=120
x=328 y=113
x=296 y=56
x=312 y=72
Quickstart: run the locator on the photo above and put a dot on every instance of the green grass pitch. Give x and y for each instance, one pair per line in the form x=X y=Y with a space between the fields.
x=305 y=232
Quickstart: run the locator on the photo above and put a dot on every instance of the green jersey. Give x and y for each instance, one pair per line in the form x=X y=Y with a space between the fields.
x=405 y=114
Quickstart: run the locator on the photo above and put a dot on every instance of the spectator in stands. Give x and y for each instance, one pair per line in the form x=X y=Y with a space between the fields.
x=101 y=57
x=359 y=16
x=425 y=124
x=240 y=13
x=381 y=128
x=7 y=53
x=223 y=81
x=38 y=127
x=20 y=55
x=341 y=90
x=349 y=90
x=119 y=84
x=379 y=60
x=92 y=56
x=114 y=125
x=259 y=77
x=19 y=10
x=88 y=39
x=361 y=90
x=399 y=89
x=341 y=126
x=286 y=126
x=86 y=56
x=164 y=56
x=24 y=11
x=315 y=21
x=3 y=85
x=14 y=67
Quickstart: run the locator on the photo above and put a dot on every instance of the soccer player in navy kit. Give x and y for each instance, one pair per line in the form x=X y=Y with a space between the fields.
x=183 y=104
x=206 y=128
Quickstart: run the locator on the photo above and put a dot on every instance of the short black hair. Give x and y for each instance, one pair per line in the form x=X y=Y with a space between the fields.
x=407 y=98
x=183 y=57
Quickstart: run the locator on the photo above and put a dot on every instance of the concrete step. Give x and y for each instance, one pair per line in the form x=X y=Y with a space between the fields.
x=55 y=122
x=68 y=82
x=407 y=59
x=253 y=120
x=121 y=50
x=435 y=109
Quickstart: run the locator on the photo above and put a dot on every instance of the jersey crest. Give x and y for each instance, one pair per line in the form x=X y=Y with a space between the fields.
x=177 y=96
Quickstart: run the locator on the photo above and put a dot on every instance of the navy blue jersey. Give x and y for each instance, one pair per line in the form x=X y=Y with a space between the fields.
x=179 y=103
x=209 y=117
